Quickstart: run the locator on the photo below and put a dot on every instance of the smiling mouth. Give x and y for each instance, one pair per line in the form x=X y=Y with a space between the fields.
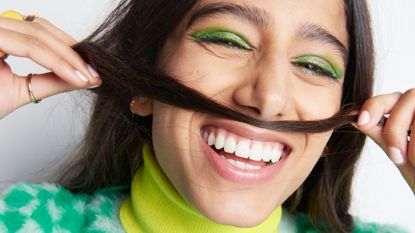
x=244 y=153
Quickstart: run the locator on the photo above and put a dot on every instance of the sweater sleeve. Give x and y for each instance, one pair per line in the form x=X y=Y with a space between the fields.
x=304 y=226
x=47 y=207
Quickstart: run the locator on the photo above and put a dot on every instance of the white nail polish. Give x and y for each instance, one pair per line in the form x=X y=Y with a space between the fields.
x=81 y=76
x=396 y=156
x=364 y=118
x=92 y=72
x=95 y=86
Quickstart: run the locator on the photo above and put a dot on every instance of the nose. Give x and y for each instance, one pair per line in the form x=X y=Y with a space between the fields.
x=265 y=92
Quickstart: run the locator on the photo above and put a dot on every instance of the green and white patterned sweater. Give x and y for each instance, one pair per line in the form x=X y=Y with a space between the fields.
x=49 y=208
x=44 y=208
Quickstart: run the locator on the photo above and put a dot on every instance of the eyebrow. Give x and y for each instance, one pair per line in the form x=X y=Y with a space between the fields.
x=315 y=32
x=252 y=14
x=261 y=18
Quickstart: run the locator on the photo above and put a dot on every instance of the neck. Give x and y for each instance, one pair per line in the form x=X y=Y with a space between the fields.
x=155 y=206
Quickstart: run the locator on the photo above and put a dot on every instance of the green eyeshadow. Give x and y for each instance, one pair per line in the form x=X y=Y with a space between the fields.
x=223 y=36
x=324 y=63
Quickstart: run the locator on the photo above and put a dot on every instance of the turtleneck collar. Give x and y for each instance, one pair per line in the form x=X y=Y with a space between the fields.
x=155 y=206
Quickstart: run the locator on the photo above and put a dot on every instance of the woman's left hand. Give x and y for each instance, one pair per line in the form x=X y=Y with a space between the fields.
x=393 y=137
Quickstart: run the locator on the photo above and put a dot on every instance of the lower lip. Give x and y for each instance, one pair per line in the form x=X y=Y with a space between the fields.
x=239 y=175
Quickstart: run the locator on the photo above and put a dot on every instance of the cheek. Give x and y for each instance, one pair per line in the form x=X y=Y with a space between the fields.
x=302 y=162
x=201 y=70
x=314 y=103
x=174 y=139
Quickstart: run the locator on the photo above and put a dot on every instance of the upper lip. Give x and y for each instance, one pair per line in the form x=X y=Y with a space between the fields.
x=248 y=131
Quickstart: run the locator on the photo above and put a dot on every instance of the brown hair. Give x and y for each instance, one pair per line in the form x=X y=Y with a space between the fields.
x=124 y=50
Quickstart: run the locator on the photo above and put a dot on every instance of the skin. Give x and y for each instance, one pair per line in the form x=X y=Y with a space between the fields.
x=48 y=46
x=264 y=84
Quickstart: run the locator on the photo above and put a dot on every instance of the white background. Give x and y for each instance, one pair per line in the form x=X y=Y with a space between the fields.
x=34 y=138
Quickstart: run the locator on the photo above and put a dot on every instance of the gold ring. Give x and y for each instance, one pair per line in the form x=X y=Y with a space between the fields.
x=30 y=89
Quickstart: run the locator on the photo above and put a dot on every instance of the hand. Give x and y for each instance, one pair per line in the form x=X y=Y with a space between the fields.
x=49 y=47
x=393 y=136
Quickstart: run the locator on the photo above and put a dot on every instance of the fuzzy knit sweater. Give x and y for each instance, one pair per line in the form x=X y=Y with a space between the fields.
x=50 y=208
x=44 y=208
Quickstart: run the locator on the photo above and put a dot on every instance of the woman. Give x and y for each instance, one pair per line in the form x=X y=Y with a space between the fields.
x=279 y=67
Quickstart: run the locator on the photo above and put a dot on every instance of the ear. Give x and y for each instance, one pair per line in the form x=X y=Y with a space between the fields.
x=141 y=106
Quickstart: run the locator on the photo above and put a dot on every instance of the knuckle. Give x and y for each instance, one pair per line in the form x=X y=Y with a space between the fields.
x=37 y=29
x=41 y=20
x=372 y=102
x=398 y=93
x=59 y=63
x=394 y=131
x=410 y=92
x=34 y=46
x=79 y=84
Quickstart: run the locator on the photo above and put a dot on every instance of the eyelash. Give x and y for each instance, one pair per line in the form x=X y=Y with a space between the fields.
x=320 y=71
x=225 y=42
x=229 y=43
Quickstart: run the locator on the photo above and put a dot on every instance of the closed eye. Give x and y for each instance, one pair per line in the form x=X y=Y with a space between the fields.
x=225 y=42
x=222 y=37
x=315 y=69
x=317 y=66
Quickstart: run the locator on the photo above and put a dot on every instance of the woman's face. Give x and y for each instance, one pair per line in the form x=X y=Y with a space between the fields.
x=270 y=59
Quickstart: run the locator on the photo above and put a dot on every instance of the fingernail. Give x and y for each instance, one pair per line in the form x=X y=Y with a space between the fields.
x=93 y=72
x=364 y=118
x=95 y=86
x=12 y=15
x=81 y=76
x=396 y=156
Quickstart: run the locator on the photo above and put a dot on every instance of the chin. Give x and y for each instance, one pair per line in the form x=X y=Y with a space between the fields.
x=241 y=219
x=234 y=214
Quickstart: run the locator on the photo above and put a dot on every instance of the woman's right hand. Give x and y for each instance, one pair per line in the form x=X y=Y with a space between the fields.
x=49 y=47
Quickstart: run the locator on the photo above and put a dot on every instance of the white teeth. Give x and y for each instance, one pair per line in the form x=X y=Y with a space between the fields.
x=230 y=144
x=220 y=139
x=256 y=151
x=231 y=161
x=242 y=149
x=266 y=153
x=246 y=166
x=242 y=165
x=276 y=154
x=211 y=139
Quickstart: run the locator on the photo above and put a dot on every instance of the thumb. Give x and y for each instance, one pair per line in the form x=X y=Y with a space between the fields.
x=374 y=133
x=42 y=86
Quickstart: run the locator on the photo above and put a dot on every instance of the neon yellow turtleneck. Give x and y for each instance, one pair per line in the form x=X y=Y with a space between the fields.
x=155 y=206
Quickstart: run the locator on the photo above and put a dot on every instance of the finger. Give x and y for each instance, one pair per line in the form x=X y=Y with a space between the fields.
x=63 y=50
x=12 y=15
x=55 y=31
x=408 y=168
x=43 y=86
x=411 y=148
x=397 y=126
x=22 y=45
x=372 y=112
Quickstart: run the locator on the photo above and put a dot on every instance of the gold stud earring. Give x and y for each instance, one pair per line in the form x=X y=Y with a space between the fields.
x=142 y=100
x=132 y=107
